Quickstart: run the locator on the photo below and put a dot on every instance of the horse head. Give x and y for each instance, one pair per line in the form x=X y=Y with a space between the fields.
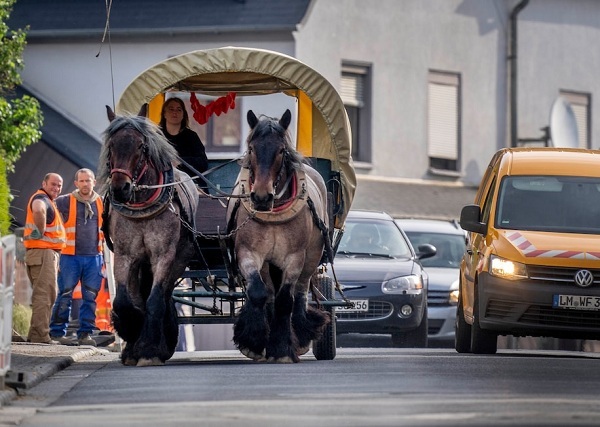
x=127 y=159
x=267 y=158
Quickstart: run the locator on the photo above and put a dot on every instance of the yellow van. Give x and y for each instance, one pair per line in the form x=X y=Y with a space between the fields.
x=532 y=265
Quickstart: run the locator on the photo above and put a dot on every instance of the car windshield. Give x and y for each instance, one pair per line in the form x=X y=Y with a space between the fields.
x=450 y=248
x=374 y=238
x=563 y=204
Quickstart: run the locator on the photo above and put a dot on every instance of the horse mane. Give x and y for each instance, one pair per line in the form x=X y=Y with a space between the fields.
x=160 y=151
x=267 y=126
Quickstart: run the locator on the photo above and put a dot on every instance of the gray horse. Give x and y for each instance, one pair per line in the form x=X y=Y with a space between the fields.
x=151 y=207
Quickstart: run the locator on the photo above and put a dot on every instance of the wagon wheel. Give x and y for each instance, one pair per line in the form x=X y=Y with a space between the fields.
x=324 y=348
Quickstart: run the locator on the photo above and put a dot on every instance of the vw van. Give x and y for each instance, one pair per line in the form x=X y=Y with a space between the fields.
x=532 y=264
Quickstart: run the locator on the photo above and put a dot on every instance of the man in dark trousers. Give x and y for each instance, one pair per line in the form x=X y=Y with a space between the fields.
x=81 y=260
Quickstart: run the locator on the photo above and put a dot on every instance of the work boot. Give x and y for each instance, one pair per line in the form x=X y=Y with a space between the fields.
x=85 y=339
x=65 y=340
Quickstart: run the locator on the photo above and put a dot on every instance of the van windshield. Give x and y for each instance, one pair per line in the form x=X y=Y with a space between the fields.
x=564 y=204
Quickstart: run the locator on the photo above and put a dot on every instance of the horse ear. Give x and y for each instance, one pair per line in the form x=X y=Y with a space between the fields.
x=110 y=114
x=252 y=120
x=285 y=119
x=144 y=110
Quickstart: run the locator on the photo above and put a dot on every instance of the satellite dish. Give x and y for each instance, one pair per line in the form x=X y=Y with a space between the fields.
x=563 y=126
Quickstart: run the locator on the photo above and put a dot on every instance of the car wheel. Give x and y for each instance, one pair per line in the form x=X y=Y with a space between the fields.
x=482 y=341
x=415 y=338
x=325 y=347
x=462 y=330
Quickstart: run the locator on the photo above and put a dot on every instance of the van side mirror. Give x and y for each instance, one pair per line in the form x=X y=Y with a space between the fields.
x=470 y=219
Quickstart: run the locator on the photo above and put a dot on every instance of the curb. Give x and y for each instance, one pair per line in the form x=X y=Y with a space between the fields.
x=16 y=381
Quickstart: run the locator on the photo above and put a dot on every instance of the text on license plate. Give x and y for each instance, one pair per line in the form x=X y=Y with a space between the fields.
x=360 y=305
x=577 y=302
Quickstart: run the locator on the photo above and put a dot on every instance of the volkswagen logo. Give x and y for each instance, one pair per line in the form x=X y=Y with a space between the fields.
x=584 y=278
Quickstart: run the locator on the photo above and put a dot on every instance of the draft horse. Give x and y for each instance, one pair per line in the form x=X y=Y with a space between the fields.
x=278 y=240
x=150 y=208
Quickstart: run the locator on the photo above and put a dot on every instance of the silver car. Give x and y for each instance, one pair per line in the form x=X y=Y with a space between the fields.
x=442 y=269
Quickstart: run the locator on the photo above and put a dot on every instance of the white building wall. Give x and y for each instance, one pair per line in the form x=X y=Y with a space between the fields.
x=403 y=39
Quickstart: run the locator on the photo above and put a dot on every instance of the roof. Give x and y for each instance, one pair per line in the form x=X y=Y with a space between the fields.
x=65 y=137
x=550 y=160
x=79 y=18
x=368 y=214
x=430 y=226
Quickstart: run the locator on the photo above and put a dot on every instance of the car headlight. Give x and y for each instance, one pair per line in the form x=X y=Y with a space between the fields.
x=507 y=269
x=402 y=284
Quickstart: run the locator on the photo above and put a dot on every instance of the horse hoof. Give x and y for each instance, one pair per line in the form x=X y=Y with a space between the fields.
x=155 y=361
x=286 y=359
x=129 y=361
x=303 y=350
x=252 y=355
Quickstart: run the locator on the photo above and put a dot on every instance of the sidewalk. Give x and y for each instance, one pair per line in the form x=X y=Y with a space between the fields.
x=32 y=363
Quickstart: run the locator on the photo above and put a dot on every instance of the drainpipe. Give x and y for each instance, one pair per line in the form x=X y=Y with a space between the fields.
x=513 y=71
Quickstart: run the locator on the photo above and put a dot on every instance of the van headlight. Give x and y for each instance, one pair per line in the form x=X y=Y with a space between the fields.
x=506 y=269
x=402 y=284
x=453 y=297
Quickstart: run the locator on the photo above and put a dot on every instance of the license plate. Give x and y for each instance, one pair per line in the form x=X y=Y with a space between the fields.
x=360 y=306
x=577 y=302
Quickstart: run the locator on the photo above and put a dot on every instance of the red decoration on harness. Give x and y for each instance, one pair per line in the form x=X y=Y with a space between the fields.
x=218 y=106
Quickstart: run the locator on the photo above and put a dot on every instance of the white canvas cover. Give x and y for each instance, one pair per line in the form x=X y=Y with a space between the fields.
x=253 y=72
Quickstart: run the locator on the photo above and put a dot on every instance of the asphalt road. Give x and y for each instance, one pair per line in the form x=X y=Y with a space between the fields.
x=360 y=387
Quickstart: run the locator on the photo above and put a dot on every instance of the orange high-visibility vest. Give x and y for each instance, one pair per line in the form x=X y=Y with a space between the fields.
x=53 y=238
x=71 y=226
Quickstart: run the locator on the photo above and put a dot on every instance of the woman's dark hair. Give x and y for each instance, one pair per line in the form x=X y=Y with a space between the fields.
x=163 y=122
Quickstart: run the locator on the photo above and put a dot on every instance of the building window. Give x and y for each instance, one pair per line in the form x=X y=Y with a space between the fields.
x=356 y=95
x=580 y=103
x=443 y=136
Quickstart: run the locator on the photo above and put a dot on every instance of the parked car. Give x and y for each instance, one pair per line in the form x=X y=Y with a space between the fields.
x=378 y=270
x=443 y=271
x=532 y=265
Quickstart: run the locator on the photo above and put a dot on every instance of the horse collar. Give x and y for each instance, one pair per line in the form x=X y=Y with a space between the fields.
x=282 y=213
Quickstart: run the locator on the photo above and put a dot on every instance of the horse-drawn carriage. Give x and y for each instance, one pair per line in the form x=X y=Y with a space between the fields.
x=262 y=230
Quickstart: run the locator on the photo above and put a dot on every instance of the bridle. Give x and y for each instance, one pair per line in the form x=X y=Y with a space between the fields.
x=140 y=168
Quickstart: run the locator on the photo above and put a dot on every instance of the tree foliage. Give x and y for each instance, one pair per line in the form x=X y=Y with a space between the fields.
x=20 y=118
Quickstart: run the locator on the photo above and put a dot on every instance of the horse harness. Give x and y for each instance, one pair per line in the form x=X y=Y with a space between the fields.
x=162 y=198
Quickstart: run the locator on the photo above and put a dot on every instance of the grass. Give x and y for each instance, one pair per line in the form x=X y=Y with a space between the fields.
x=21 y=317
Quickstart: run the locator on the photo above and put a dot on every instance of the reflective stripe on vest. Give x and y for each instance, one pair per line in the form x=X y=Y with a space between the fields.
x=71 y=226
x=54 y=236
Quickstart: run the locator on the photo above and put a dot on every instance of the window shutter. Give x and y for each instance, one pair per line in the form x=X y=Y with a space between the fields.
x=352 y=90
x=443 y=121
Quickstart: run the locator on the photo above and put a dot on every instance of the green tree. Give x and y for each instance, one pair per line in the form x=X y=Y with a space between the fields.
x=20 y=118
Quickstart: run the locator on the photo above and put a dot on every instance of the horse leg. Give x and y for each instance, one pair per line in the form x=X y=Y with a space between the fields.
x=308 y=322
x=282 y=343
x=128 y=321
x=151 y=345
x=251 y=329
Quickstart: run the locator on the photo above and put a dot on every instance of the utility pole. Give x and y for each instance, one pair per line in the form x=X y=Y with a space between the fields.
x=512 y=57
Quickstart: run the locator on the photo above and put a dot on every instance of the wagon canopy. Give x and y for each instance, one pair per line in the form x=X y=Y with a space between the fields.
x=323 y=126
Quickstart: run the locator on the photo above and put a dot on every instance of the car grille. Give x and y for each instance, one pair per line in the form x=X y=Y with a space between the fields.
x=558 y=275
x=545 y=315
x=437 y=298
x=377 y=310
x=561 y=317
x=434 y=326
